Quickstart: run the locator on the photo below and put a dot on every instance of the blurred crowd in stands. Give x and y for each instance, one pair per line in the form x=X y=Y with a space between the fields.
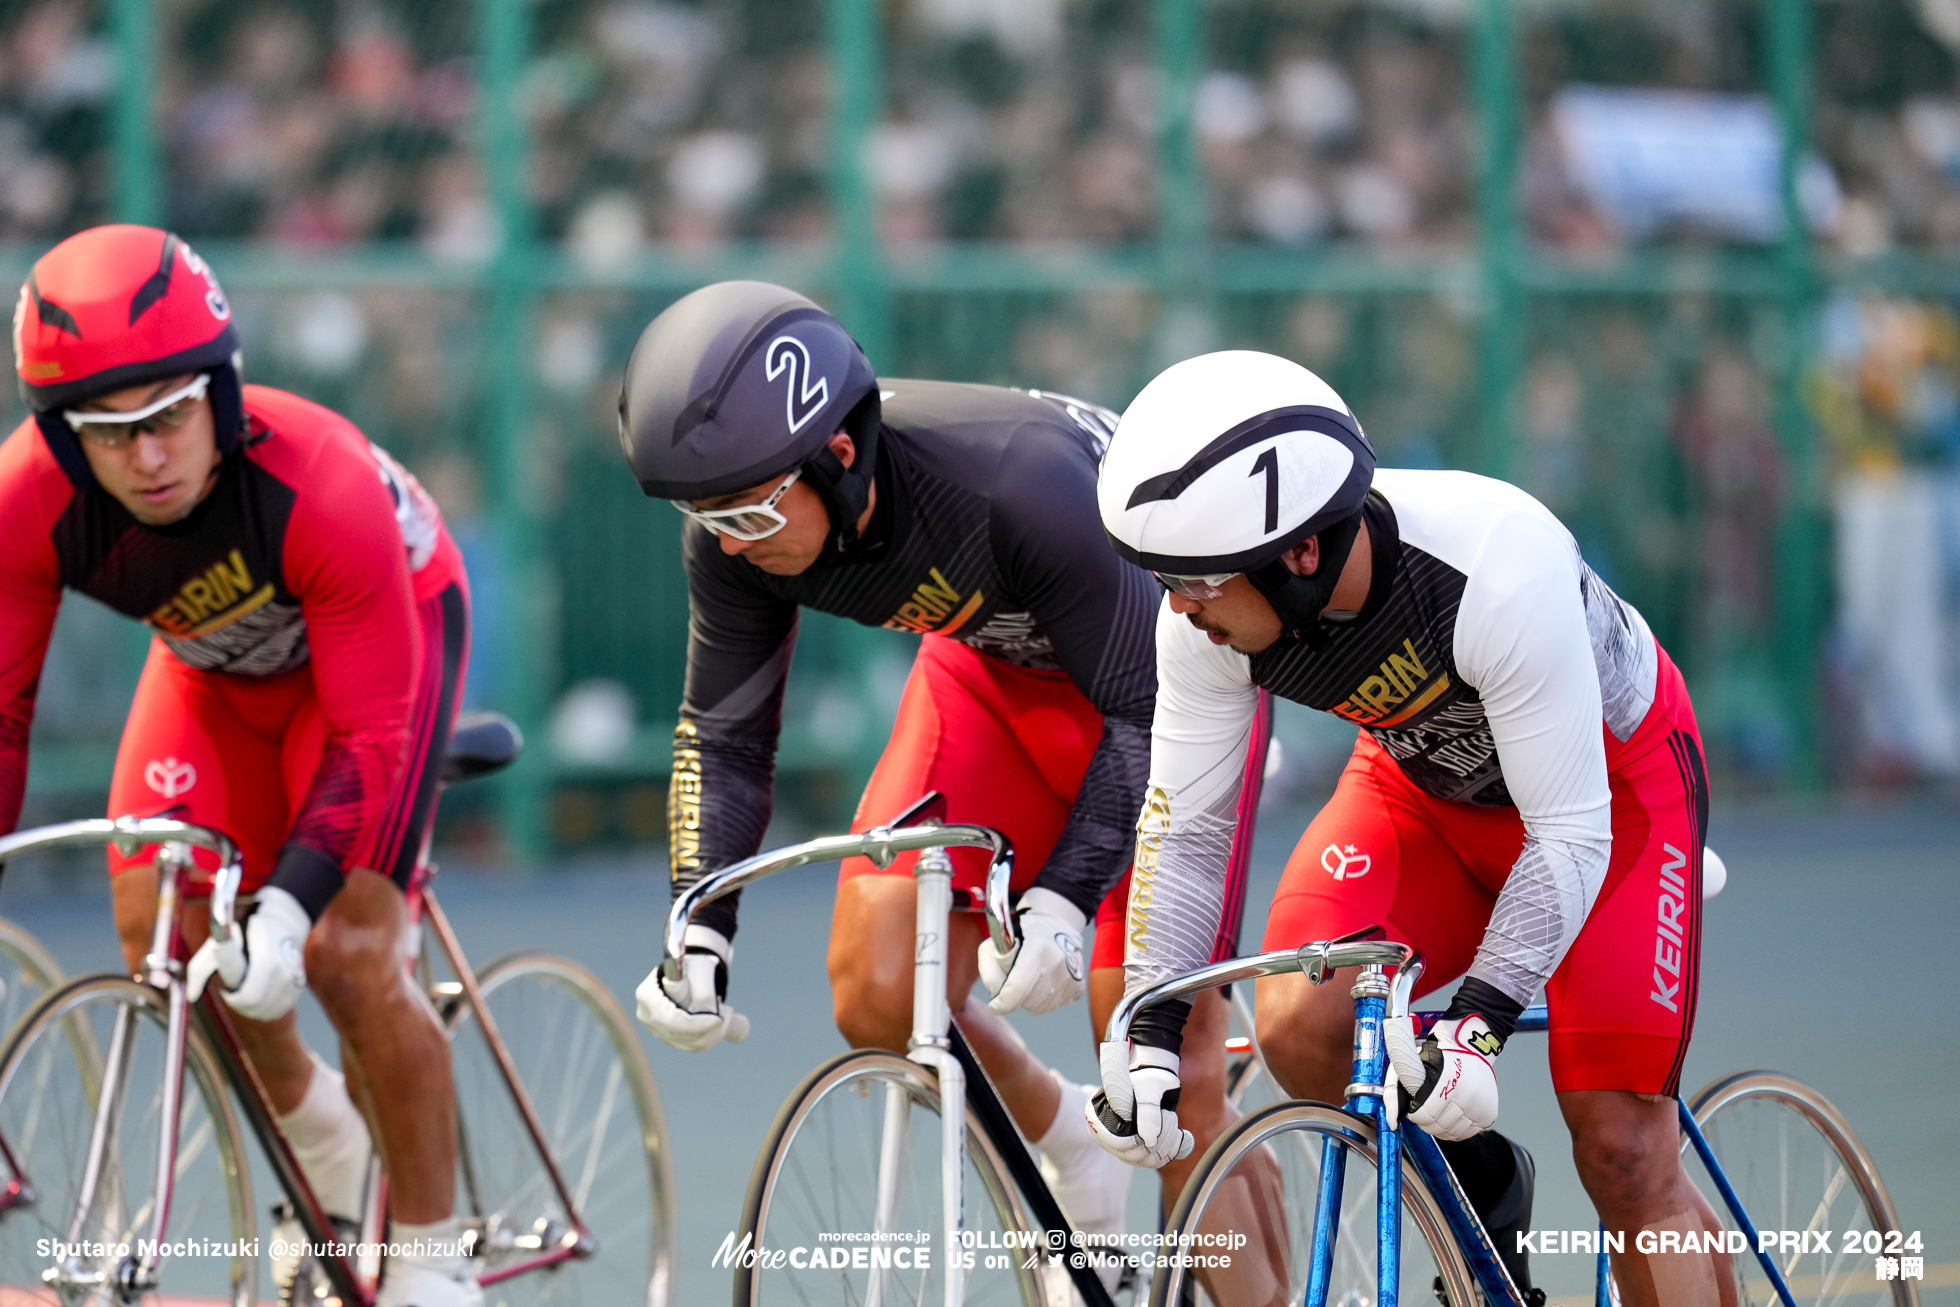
x=317 y=125
x=329 y=122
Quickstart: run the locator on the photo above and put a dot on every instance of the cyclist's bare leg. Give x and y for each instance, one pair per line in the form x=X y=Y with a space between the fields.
x=871 y=951
x=277 y=1052
x=1628 y=1151
x=387 y=1029
x=392 y=1037
x=1306 y=1032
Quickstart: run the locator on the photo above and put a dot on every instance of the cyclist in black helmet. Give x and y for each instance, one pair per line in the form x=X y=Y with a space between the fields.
x=964 y=513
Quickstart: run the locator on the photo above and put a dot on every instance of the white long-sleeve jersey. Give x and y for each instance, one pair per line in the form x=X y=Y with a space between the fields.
x=1485 y=660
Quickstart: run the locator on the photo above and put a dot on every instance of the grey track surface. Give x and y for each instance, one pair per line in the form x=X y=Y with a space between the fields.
x=1827 y=957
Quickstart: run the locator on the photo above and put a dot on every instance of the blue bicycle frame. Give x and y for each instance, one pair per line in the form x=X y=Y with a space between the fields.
x=1469 y=1230
x=1365 y=1099
x=1373 y=993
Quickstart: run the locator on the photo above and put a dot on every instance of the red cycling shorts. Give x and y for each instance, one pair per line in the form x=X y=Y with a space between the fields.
x=1384 y=853
x=1008 y=746
x=238 y=752
x=1109 y=946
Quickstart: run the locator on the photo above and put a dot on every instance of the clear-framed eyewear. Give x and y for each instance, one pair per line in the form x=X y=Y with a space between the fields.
x=744 y=521
x=115 y=430
x=1195 y=587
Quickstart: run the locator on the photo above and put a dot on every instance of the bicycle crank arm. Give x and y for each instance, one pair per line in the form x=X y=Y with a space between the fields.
x=986 y=1105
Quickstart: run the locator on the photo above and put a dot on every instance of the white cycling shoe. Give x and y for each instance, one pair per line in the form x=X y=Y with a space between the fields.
x=412 y=1282
x=1092 y=1186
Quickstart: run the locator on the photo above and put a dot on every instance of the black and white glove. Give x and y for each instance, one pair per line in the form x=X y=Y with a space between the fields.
x=263 y=967
x=1134 y=1115
x=1045 y=972
x=691 y=1013
x=1449 y=1084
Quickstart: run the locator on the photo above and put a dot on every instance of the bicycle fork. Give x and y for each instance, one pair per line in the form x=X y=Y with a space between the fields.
x=136 y=1274
x=929 y=1046
x=1365 y=1097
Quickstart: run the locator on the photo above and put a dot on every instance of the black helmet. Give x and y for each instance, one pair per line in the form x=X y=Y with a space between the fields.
x=743 y=381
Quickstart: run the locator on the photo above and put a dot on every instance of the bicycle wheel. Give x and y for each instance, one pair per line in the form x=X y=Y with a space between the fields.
x=58 y=1067
x=1796 y=1165
x=1261 y=1180
x=27 y=973
x=588 y=1081
x=1248 y=1084
x=862 y=1125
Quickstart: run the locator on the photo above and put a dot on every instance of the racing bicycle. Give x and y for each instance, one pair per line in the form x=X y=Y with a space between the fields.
x=866 y=1190
x=131 y=1176
x=1305 y=1202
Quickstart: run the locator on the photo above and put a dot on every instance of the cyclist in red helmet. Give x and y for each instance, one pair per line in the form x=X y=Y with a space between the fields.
x=311 y=627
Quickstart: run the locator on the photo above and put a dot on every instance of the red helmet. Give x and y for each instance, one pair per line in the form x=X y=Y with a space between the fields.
x=114 y=307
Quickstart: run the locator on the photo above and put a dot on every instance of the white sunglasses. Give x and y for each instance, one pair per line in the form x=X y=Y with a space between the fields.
x=112 y=429
x=744 y=521
x=1195 y=587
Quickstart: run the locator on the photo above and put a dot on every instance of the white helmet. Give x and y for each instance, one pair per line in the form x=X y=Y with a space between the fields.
x=1226 y=461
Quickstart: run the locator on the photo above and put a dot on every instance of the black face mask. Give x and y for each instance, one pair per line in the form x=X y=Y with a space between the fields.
x=1299 y=599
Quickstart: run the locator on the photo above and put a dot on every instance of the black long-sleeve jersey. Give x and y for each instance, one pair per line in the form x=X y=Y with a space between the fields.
x=986 y=531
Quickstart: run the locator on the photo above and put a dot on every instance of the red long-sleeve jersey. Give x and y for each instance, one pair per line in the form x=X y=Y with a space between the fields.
x=313 y=550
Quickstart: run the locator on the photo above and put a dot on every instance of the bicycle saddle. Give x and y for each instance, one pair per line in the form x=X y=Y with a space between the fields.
x=483 y=742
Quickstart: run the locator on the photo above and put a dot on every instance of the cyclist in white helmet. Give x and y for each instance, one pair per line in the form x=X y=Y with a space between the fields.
x=1526 y=787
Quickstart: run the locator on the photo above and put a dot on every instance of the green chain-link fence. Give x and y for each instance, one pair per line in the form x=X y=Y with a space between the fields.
x=439 y=218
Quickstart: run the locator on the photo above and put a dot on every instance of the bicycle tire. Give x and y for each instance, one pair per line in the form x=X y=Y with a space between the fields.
x=27 y=972
x=1265 y=1278
x=574 y=1051
x=1796 y=1165
x=1248 y=1084
x=50 y=1085
x=835 y=1105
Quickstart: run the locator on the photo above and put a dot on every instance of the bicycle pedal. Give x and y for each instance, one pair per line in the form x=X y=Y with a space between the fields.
x=311 y=1286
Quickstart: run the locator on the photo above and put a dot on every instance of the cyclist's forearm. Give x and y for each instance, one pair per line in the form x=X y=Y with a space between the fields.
x=1177 y=887
x=340 y=822
x=15 y=720
x=718 y=805
x=1096 y=844
x=1539 y=912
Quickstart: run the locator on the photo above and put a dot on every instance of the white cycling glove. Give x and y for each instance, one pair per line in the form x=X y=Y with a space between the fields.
x=1450 y=1082
x=1134 y=1115
x=691 y=1013
x=1046 y=971
x=264 y=966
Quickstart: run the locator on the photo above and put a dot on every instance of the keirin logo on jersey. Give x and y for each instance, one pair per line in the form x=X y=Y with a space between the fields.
x=1344 y=864
x=808 y=394
x=169 y=777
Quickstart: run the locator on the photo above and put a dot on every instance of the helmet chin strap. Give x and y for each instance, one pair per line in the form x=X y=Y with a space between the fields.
x=846 y=491
x=1299 y=600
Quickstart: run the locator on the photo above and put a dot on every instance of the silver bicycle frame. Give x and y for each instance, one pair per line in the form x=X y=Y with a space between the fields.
x=881 y=844
x=931 y=1013
x=128 y=834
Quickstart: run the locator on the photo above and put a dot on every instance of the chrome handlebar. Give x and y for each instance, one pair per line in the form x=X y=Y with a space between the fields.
x=1318 y=960
x=881 y=844
x=129 y=834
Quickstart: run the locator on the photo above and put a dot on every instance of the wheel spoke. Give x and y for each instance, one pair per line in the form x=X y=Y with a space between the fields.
x=1791 y=1158
x=858 y=1151
x=597 y=1111
x=49 y=1109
